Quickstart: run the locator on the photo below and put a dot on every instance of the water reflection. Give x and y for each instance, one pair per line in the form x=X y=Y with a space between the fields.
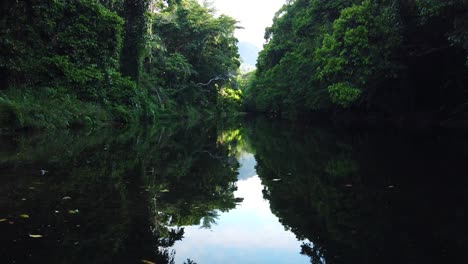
x=366 y=197
x=248 y=234
x=263 y=192
x=107 y=197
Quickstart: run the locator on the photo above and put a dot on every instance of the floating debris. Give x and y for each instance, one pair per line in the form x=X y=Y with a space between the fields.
x=24 y=216
x=73 y=211
x=3 y=220
x=24 y=199
x=147 y=261
x=43 y=172
x=275 y=180
x=164 y=190
x=349 y=185
x=35 y=236
x=391 y=186
x=66 y=198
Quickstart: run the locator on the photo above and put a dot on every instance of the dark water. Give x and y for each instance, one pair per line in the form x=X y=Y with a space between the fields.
x=257 y=191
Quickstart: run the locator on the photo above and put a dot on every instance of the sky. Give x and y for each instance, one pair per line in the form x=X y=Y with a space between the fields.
x=254 y=16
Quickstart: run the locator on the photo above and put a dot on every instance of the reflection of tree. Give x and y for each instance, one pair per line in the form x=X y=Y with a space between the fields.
x=365 y=197
x=210 y=219
x=132 y=190
x=196 y=178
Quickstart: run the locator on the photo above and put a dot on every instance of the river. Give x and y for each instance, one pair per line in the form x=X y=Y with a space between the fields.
x=250 y=191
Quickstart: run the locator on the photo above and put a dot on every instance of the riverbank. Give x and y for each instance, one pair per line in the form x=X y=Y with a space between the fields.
x=415 y=121
x=42 y=112
x=48 y=110
x=408 y=121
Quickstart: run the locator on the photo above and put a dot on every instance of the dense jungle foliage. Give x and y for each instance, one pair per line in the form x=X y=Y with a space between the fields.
x=74 y=63
x=386 y=56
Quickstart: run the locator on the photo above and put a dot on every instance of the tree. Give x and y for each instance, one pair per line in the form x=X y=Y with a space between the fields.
x=385 y=56
x=195 y=53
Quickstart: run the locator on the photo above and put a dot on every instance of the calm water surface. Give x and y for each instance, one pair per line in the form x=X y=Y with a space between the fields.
x=250 y=233
x=258 y=191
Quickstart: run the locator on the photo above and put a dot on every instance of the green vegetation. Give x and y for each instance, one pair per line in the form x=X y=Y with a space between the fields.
x=80 y=63
x=191 y=56
x=385 y=56
x=94 y=63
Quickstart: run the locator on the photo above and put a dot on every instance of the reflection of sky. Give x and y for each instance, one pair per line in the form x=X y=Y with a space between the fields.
x=247 y=166
x=248 y=234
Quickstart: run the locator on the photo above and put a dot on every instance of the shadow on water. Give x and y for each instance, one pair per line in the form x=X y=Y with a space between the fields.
x=366 y=197
x=121 y=197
